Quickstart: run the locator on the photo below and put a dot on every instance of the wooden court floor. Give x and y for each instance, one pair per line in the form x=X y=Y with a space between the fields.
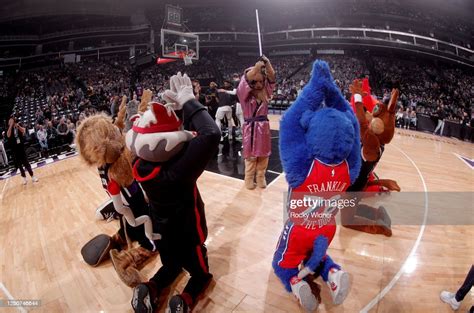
x=44 y=225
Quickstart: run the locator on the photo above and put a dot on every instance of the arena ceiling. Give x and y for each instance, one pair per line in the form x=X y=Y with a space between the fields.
x=17 y=9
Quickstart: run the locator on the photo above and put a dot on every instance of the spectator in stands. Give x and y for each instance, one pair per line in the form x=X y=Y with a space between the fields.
x=52 y=134
x=197 y=92
x=413 y=117
x=82 y=116
x=131 y=110
x=3 y=152
x=237 y=114
x=225 y=102
x=39 y=116
x=212 y=101
x=47 y=113
x=465 y=130
x=114 y=105
x=441 y=116
x=16 y=140
x=71 y=129
x=399 y=117
x=42 y=136
x=406 y=119
x=63 y=132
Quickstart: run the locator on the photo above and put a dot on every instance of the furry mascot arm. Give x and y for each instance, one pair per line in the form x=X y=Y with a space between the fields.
x=146 y=98
x=334 y=99
x=200 y=149
x=358 y=93
x=262 y=72
x=368 y=138
x=390 y=184
x=320 y=247
x=114 y=189
x=354 y=159
x=120 y=121
x=244 y=88
x=294 y=153
x=269 y=69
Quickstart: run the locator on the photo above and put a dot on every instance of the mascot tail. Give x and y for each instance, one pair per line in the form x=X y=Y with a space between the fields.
x=320 y=247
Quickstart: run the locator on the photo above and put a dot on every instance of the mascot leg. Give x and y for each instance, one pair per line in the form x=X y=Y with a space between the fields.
x=196 y=264
x=287 y=253
x=128 y=263
x=250 y=168
x=146 y=296
x=299 y=287
x=262 y=164
x=149 y=296
x=351 y=219
x=374 y=214
x=336 y=279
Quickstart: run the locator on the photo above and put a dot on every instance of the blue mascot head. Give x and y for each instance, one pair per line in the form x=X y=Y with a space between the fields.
x=321 y=125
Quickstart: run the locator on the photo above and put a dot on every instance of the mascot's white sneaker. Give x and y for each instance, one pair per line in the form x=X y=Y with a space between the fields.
x=338 y=282
x=303 y=293
x=449 y=298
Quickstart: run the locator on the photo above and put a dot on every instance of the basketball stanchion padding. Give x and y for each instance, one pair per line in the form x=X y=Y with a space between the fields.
x=97 y=249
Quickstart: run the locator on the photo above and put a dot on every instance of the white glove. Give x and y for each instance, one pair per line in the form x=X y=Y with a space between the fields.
x=181 y=91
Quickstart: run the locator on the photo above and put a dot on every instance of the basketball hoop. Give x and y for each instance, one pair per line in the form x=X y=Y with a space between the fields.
x=188 y=58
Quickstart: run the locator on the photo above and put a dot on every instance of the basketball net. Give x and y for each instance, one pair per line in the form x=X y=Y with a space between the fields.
x=188 y=58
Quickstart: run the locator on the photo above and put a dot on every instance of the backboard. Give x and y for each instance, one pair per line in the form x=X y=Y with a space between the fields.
x=174 y=44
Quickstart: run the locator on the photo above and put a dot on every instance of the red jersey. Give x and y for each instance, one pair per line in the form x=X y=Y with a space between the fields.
x=312 y=203
x=316 y=217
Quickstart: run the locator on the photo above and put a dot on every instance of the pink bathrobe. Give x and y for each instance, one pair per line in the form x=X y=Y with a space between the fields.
x=256 y=137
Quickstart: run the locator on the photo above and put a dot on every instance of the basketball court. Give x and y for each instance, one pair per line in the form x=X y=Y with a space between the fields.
x=402 y=273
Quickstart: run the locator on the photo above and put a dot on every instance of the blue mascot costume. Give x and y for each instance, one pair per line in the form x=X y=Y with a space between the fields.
x=320 y=153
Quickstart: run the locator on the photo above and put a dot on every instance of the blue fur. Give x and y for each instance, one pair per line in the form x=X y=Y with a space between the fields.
x=319 y=262
x=320 y=247
x=327 y=266
x=319 y=125
x=285 y=274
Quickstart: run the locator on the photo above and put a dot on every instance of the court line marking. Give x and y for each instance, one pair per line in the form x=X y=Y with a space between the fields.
x=278 y=173
x=397 y=276
x=48 y=161
x=214 y=173
x=241 y=180
x=273 y=181
x=462 y=159
x=10 y=297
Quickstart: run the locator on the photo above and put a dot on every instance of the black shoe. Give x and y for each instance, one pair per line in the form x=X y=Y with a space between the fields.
x=107 y=212
x=141 y=300
x=178 y=305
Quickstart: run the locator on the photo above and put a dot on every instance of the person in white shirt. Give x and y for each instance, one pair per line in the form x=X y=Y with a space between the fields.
x=3 y=153
x=42 y=136
x=238 y=108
